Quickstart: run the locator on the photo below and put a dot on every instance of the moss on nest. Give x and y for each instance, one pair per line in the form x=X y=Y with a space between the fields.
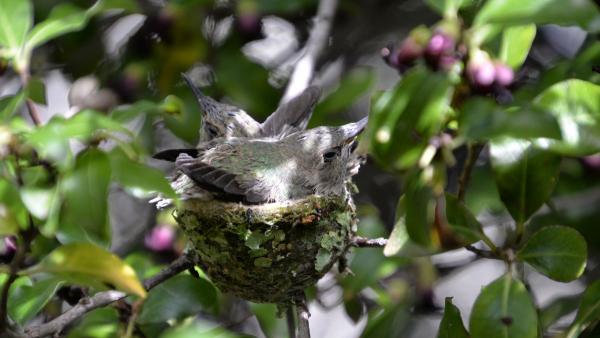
x=270 y=252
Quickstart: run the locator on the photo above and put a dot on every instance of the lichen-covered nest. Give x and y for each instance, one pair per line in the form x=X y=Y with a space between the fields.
x=269 y=252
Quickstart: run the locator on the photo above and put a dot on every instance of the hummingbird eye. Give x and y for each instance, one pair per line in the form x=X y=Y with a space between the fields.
x=212 y=130
x=330 y=155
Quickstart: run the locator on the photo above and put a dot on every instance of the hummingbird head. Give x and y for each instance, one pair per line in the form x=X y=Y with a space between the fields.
x=220 y=119
x=227 y=123
x=331 y=150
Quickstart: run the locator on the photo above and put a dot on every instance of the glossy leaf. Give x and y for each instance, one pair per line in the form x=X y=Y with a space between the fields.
x=504 y=309
x=38 y=201
x=405 y=117
x=13 y=214
x=15 y=20
x=452 y=325
x=525 y=176
x=27 y=300
x=36 y=90
x=99 y=323
x=448 y=7
x=453 y=227
x=137 y=176
x=64 y=18
x=558 y=252
x=576 y=107
x=90 y=264
x=560 y=12
x=177 y=298
x=84 y=215
x=391 y=322
x=516 y=42
x=557 y=309
x=589 y=310
x=199 y=329
x=9 y=105
x=482 y=119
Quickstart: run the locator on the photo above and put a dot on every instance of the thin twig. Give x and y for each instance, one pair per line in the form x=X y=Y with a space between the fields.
x=362 y=242
x=473 y=151
x=483 y=253
x=33 y=112
x=105 y=298
x=317 y=41
x=302 y=316
x=291 y=321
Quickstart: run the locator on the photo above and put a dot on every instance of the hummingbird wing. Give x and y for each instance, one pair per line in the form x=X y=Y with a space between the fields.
x=172 y=154
x=227 y=185
x=292 y=115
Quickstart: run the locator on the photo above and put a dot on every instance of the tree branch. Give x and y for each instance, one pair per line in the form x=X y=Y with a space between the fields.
x=302 y=316
x=291 y=321
x=317 y=41
x=362 y=242
x=105 y=298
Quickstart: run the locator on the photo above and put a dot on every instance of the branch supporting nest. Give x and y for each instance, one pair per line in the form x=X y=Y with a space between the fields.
x=302 y=316
x=104 y=298
x=362 y=242
x=317 y=41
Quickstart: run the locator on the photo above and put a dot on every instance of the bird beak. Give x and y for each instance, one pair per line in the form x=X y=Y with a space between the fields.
x=352 y=130
x=197 y=92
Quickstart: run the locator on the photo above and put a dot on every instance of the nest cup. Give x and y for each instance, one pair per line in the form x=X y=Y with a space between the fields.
x=269 y=252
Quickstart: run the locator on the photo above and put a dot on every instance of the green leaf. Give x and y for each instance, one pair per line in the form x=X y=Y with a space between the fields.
x=417 y=106
x=558 y=252
x=481 y=119
x=137 y=176
x=391 y=322
x=92 y=265
x=63 y=19
x=84 y=216
x=525 y=176
x=464 y=227
x=504 y=309
x=557 y=309
x=27 y=300
x=15 y=20
x=177 y=298
x=99 y=323
x=36 y=90
x=516 y=12
x=516 y=42
x=9 y=105
x=420 y=205
x=38 y=200
x=576 y=107
x=13 y=214
x=198 y=329
x=448 y=7
x=589 y=310
x=351 y=87
x=452 y=325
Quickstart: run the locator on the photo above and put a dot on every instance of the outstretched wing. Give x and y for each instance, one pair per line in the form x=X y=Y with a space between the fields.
x=172 y=154
x=293 y=115
x=226 y=185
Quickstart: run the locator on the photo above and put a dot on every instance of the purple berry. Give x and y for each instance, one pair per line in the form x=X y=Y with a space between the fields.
x=8 y=248
x=504 y=74
x=439 y=44
x=481 y=74
x=160 y=238
x=409 y=52
x=446 y=62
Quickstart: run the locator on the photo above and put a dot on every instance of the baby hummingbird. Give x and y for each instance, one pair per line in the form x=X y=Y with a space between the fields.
x=260 y=170
x=224 y=120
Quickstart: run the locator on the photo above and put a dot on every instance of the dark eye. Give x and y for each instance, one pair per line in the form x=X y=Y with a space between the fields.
x=353 y=146
x=212 y=130
x=330 y=155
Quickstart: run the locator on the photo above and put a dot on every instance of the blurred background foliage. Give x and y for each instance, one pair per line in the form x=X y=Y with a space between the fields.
x=88 y=90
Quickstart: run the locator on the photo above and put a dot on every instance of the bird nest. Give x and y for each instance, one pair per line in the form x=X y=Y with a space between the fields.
x=269 y=252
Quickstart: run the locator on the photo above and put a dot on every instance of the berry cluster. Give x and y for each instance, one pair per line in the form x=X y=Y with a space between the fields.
x=442 y=50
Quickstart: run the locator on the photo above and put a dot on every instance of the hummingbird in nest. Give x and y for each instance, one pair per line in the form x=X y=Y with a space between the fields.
x=224 y=120
x=270 y=169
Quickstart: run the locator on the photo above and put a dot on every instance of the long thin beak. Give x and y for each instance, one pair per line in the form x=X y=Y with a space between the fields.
x=355 y=128
x=197 y=92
